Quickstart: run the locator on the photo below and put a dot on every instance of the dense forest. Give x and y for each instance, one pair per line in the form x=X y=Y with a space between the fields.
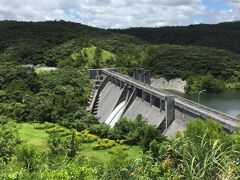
x=62 y=44
x=46 y=133
x=221 y=36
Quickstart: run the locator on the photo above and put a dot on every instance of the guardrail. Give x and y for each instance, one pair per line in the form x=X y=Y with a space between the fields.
x=210 y=112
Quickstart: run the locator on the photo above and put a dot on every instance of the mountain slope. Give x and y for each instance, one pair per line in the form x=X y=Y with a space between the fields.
x=61 y=44
x=221 y=36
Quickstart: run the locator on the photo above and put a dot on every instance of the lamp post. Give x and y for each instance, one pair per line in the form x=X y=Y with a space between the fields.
x=199 y=93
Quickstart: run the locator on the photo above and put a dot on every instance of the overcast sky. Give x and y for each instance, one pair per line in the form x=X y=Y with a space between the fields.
x=122 y=13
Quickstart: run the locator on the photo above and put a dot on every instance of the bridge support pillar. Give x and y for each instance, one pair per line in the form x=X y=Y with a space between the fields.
x=151 y=99
x=143 y=95
x=170 y=111
x=122 y=84
x=161 y=105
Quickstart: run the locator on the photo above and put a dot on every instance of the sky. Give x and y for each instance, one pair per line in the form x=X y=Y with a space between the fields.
x=123 y=13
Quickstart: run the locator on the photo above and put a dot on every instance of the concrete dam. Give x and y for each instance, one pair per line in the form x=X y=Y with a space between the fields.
x=116 y=95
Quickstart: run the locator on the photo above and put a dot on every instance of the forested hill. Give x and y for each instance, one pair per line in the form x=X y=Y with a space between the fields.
x=222 y=36
x=64 y=44
x=26 y=42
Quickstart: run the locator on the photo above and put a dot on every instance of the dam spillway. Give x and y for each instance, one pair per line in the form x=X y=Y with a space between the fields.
x=167 y=111
x=107 y=100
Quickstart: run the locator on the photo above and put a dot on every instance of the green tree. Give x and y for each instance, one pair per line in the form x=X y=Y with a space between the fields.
x=8 y=141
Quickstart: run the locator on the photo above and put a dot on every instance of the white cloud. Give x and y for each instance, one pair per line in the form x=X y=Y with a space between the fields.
x=111 y=13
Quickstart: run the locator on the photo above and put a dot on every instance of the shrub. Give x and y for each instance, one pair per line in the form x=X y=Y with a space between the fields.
x=122 y=141
x=8 y=141
x=48 y=125
x=39 y=126
x=89 y=138
x=104 y=144
x=56 y=129
x=100 y=129
x=210 y=129
x=29 y=156
x=117 y=149
x=65 y=133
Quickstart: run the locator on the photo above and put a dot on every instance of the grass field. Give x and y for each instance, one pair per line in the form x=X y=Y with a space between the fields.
x=103 y=155
x=89 y=53
x=32 y=136
x=39 y=138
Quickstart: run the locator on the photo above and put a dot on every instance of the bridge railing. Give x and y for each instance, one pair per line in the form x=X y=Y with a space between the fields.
x=201 y=108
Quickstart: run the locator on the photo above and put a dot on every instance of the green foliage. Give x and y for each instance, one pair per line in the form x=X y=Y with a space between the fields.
x=30 y=157
x=115 y=168
x=210 y=129
x=221 y=36
x=100 y=130
x=87 y=137
x=71 y=171
x=137 y=132
x=65 y=44
x=69 y=146
x=8 y=140
x=104 y=144
x=79 y=120
x=206 y=159
x=207 y=82
x=206 y=155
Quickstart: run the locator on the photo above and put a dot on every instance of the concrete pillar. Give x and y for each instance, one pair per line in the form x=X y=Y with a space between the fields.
x=161 y=102
x=143 y=95
x=169 y=108
x=147 y=77
x=151 y=99
x=93 y=73
x=131 y=89
x=122 y=84
x=112 y=79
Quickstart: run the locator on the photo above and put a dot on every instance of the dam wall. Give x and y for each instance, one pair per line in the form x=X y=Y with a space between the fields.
x=167 y=111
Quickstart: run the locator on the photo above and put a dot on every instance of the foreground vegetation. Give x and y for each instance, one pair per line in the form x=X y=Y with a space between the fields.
x=203 y=151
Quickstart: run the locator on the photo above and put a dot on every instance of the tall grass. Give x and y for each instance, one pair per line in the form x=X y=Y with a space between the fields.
x=207 y=159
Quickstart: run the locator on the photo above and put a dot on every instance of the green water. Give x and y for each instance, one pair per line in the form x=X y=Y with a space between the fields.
x=228 y=102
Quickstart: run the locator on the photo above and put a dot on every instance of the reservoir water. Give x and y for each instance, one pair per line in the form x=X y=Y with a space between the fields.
x=227 y=102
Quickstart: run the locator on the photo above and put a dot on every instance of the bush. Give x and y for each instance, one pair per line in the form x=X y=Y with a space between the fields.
x=65 y=133
x=104 y=144
x=30 y=157
x=39 y=127
x=89 y=138
x=69 y=146
x=117 y=149
x=208 y=128
x=100 y=129
x=8 y=141
x=48 y=125
x=122 y=141
x=57 y=129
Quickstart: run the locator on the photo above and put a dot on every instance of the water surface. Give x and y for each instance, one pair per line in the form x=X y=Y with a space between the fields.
x=227 y=102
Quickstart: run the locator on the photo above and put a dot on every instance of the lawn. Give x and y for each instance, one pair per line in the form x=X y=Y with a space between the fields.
x=39 y=138
x=103 y=155
x=28 y=134
x=89 y=53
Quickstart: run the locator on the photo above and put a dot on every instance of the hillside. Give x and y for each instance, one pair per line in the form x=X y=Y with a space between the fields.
x=65 y=44
x=221 y=36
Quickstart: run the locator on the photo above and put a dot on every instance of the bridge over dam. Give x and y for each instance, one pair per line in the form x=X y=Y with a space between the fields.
x=116 y=95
